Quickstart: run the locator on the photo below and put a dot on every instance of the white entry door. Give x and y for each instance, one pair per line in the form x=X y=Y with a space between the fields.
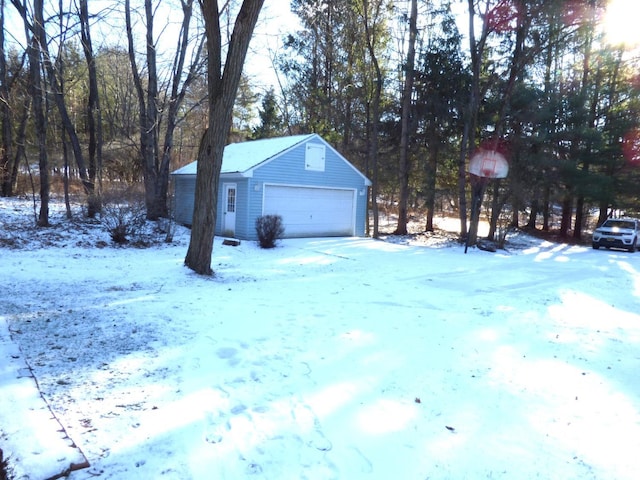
x=229 y=220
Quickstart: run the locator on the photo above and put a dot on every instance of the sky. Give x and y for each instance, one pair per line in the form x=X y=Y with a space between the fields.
x=276 y=20
x=621 y=22
x=324 y=358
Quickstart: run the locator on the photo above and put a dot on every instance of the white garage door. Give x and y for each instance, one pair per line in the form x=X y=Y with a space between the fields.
x=312 y=212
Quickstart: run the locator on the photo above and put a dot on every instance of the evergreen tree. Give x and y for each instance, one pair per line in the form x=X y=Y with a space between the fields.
x=243 y=111
x=442 y=84
x=271 y=124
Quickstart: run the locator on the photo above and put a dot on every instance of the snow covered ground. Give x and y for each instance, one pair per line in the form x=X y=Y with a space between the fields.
x=335 y=358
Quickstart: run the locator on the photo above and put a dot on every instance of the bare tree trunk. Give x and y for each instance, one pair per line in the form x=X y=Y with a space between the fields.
x=58 y=97
x=565 y=222
x=374 y=120
x=546 y=209
x=469 y=132
x=21 y=138
x=178 y=93
x=156 y=159
x=431 y=170
x=533 y=215
x=40 y=35
x=6 y=183
x=405 y=165
x=65 y=173
x=37 y=92
x=63 y=136
x=94 y=114
x=222 y=89
x=519 y=59
x=148 y=108
x=467 y=144
x=497 y=203
x=462 y=176
x=591 y=121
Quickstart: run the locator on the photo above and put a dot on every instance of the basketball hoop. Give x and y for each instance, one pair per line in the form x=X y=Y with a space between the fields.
x=488 y=164
x=484 y=164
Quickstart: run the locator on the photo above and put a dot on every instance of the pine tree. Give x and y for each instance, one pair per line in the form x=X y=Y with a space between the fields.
x=271 y=124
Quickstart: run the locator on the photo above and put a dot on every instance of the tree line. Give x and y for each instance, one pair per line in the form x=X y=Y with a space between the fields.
x=400 y=87
x=407 y=90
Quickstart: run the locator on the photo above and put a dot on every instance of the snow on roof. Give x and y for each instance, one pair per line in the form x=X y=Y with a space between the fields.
x=240 y=157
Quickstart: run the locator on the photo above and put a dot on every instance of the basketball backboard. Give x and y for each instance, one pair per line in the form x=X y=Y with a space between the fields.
x=488 y=164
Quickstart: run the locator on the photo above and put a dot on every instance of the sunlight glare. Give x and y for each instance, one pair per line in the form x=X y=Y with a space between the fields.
x=621 y=22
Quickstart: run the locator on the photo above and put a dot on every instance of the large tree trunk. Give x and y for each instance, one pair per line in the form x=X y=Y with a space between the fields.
x=533 y=214
x=579 y=221
x=431 y=170
x=567 y=209
x=148 y=108
x=222 y=88
x=546 y=209
x=405 y=164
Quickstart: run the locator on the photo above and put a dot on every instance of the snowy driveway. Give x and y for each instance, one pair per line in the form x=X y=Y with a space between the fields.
x=336 y=358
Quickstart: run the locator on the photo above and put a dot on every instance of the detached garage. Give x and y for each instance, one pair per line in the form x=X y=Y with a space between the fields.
x=315 y=190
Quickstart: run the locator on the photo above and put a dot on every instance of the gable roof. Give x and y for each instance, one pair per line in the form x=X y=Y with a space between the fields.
x=243 y=156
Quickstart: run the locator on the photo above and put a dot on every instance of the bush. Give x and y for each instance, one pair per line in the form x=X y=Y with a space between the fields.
x=269 y=228
x=6 y=472
x=124 y=216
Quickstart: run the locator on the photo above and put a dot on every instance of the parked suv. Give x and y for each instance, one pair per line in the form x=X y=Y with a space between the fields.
x=618 y=233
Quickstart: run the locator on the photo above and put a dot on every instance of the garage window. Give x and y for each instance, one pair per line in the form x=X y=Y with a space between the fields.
x=314 y=157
